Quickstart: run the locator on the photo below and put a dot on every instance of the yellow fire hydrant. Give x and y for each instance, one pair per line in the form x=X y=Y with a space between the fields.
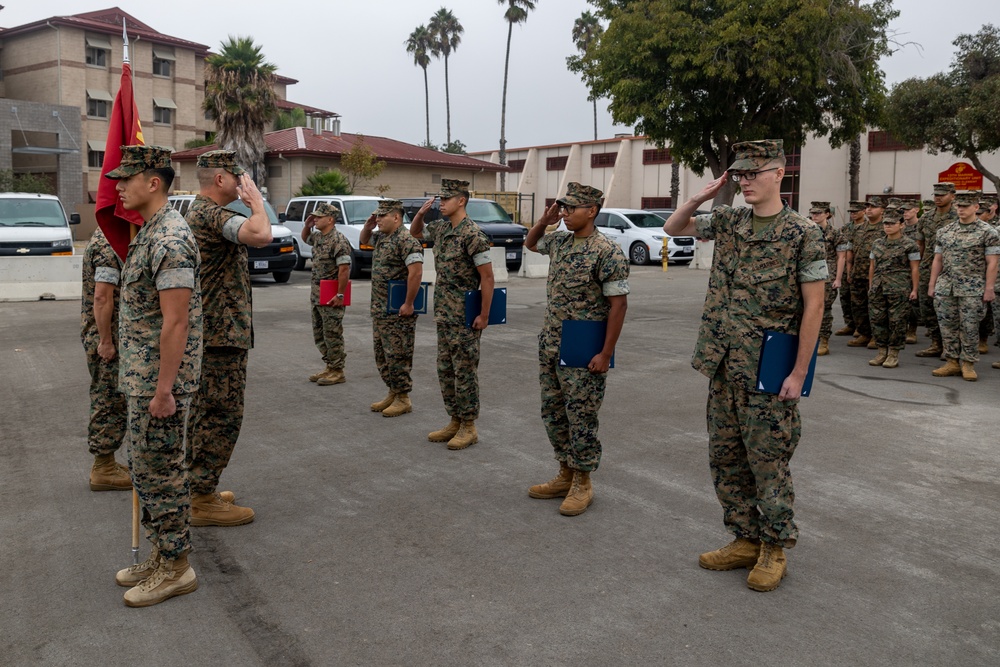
x=664 y=254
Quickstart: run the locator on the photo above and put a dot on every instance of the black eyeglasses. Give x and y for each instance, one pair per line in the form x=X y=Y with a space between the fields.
x=750 y=175
x=568 y=210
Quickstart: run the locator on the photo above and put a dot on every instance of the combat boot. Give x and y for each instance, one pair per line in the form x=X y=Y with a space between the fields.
x=557 y=487
x=400 y=406
x=984 y=346
x=580 y=495
x=860 y=341
x=891 y=360
x=968 y=372
x=171 y=578
x=447 y=433
x=844 y=331
x=950 y=368
x=209 y=509
x=384 y=403
x=133 y=575
x=934 y=350
x=824 y=347
x=770 y=569
x=872 y=345
x=883 y=354
x=108 y=475
x=227 y=496
x=316 y=376
x=465 y=437
x=996 y=364
x=332 y=377
x=911 y=335
x=741 y=552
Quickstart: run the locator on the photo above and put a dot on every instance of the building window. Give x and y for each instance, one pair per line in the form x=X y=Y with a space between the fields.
x=436 y=179
x=598 y=160
x=556 y=163
x=793 y=159
x=790 y=189
x=163 y=60
x=657 y=202
x=95 y=159
x=274 y=171
x=656 y=156
x=881 y=141
x=161 y=67
x=98 y=103
x=163 y=110
x=549 y=201
x=97 y=51
x=516 y=165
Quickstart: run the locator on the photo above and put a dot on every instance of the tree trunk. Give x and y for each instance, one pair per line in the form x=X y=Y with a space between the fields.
x=427 y=107
x=993 y=178
x=595 y=119
x=675 y=183
x=503 y=110
x=447 y=97
x=855 y=167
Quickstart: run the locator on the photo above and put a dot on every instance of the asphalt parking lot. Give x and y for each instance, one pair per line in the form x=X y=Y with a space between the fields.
x=372 y=546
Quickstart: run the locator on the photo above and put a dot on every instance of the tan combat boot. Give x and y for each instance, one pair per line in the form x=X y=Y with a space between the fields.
x=892 y=360
x=844 y=331
x=447 y=433
x=934 y=350
x=316 y=376
x=557 y=487
x=770 y=569
x=996 y=364
x=872 y=345
x=400 y=406
x=209 y=509
x=883 y=354
x=108 y=475
x=950 y=368
x=384 y=403
x=227 y=496
x=170 y=579
x=465 y=437
x=580 y=495
x=133 y=575
x=741 y=552
x=911 y=335
x=860 y=341
x=824 y=347
x=333 y=376
x=968 y=372
x=984 y=346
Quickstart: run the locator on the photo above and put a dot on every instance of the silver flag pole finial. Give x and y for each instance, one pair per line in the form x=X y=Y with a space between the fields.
x=125 y=39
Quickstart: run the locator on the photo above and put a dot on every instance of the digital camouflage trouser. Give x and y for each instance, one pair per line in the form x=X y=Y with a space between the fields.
x=928 y=316
x=571 y=399
x=859 y=306
x=829 y=298
x=751 y=439
x=890 y=313
x=108 y=407
x=393 y=338
x=959 y=317
x=156 y=459
x=457 y=365
x=845 y=305
x=216 y=415
x=328 y=334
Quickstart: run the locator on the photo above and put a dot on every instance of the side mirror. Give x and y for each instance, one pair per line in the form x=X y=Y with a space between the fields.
x=74 y=219
x=281 y=217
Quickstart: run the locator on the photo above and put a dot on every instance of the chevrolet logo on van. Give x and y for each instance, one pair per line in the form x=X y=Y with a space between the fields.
x=23 y=251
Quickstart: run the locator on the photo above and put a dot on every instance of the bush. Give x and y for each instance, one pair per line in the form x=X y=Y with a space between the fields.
x=39 y=183
x=325 y=183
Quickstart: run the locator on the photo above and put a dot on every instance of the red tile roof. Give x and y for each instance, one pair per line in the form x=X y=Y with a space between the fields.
x=312 y=111
x=302 y=141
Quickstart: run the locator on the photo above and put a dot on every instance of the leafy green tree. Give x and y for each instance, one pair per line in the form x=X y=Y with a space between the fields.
x=291 y=118
x=456 y=147
x=360 y=164
x=586 y=31
x=954 y=111
x=446 y=33
x=428 y=144
x=199 y=142
x=330 y=182
x=418 y=44
x=35 y=183
x=703 y=76
x=517 y=12
x=239 y=92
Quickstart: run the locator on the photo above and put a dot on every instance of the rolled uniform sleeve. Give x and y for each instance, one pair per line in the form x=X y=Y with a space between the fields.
x=913 y=257
x=812 y=265
x=231 y=228
x=107 y=274
x=413 y=258
x=173 y=265
x=993 y=242
x=704 y=227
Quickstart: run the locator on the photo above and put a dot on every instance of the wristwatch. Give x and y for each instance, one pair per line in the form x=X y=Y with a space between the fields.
x=340 y=296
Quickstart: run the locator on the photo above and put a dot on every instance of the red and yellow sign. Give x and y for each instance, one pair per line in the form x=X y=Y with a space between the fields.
x=963 y=175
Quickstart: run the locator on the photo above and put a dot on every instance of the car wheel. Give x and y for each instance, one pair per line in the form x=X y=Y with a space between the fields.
x=282 y=277
x=355 y=266
x=639 y=253
x=300 y=263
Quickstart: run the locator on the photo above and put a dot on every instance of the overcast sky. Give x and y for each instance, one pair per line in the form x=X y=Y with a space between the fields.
x=349 y=57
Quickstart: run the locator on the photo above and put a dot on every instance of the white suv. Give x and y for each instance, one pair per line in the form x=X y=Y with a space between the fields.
x=34 y=224
x=640 y=235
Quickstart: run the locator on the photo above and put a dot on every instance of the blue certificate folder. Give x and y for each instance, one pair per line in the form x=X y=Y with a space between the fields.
x=397 y=297
x=581 y=341
x=777 y=359
x=474 y=306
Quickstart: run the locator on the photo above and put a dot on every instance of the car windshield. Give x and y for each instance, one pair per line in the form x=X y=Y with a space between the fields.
x=487 y=211
x=31 y=213
x=358 y=211
x=647 y=220
x=242 y=209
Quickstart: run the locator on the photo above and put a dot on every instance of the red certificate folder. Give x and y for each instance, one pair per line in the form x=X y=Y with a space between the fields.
x=328 y=290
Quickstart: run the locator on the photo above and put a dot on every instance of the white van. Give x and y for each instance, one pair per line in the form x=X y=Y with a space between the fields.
x=32 y=224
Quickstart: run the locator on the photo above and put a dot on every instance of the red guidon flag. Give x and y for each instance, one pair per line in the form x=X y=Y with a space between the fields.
x=123 y=130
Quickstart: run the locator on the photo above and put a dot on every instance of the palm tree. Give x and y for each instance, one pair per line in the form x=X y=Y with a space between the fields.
x=517 y=12
x=239 y=93
x=446 y=34
x=586 y=30
x=419 y=43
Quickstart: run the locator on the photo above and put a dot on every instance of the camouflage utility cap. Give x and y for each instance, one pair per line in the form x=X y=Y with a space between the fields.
x=875 y=201
x=451 y=187
x=907 y=204
x=753 y=155
x=325 y=210
x=387 y=206
x=581 y=195
x=819 y=207
x=928 y=203
x=943 y=188
x=856 y=206
x=967 y=198
x=892 y=215
x=137 y=159
x=221 y=160
x=987 y=200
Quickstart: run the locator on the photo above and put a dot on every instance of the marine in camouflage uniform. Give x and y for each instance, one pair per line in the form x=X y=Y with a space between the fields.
x=986 y=325
x=963 y=279
x=330 y=251
x=893 y=265
x=930 y=222
x=217 y=409
x=856 y=210
x=108 y=408
x=163 y=256
x=820 y=213
x=911 y=215
x=861 y=246
x=586 y=275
